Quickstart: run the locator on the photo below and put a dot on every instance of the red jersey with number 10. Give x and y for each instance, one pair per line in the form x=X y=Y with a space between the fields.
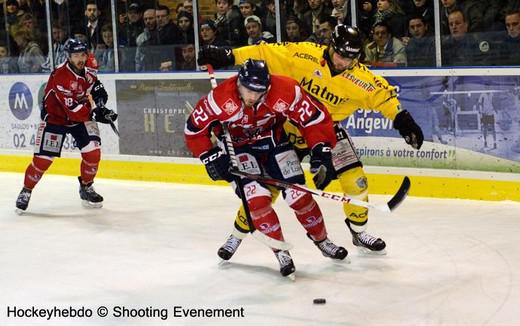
x=65 y=101
x=284 y=100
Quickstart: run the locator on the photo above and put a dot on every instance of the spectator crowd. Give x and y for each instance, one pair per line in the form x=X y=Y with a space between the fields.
x=153 y=35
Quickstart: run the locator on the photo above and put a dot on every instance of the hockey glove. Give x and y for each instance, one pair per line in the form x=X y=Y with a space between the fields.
x=99 y=94
x=217 y=164
x=408 y=129
x=103 y=115
x=218 y=57
x=321 y=166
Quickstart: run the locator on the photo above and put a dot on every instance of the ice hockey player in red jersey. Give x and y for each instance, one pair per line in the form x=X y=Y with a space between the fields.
x=73 y=104
x=255 y=105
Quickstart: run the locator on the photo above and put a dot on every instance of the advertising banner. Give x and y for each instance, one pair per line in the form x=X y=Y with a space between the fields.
x=20 y=101
x=152 y=114
x=469 y=123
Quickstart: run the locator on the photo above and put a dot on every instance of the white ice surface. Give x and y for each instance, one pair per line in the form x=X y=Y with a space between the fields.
x=449 y=262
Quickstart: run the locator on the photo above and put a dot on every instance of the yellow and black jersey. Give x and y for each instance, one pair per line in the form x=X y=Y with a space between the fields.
x=342 y=94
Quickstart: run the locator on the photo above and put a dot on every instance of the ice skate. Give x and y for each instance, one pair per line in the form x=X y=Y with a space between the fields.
x=23 y=200
x=229 y=248
x=286 y=264
x=367 y=243
x=90 y=198
x=331 y=250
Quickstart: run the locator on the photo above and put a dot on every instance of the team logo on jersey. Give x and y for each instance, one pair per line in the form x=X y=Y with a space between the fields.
x=280 y=105
x=230 y=107
x=73 y=85
x=20 y=101
x=318 y=73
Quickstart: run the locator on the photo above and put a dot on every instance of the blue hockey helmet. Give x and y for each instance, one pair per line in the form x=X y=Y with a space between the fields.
x=346 y=41
x=73 y=45
x=254 y=75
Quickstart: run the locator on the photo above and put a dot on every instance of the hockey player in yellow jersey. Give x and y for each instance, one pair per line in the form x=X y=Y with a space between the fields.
x=332 y=74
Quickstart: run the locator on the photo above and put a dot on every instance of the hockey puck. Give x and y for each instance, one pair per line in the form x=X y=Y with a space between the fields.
x=319 y=301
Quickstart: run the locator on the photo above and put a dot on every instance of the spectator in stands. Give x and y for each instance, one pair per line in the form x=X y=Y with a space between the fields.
x=255 y=31
x=31 y=57
x=228 y=21
x=425 y=9
x=8 y=64
x=367 y=10
x=460 y=48
x=209 y=35
x=247 y=8
x=12 y=12
x=128 y=32
x=420 y=46
x=58 y=51
x=28 y=21
x=104 y=52
x=188 y=6
x=511 y=42
x=385 y=50
x=150 y=24
x=188 y=58
x=341 y=11
x=294 y=30
x=168 y=32
x=390 y=12
x=311 y=18
x=269 y=21
x=326 y=25
x=473 y=10
x=185 y=23
x=93 y=27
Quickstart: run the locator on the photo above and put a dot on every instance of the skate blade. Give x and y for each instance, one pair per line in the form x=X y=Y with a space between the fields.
x=19 y=211
x=368 y=252
x=88 y=204
x=291 y=277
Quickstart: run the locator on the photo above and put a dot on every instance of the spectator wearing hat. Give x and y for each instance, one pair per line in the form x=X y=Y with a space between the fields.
x=254 y=30
x=128 y=32
x=228 y=21
x=209 y=34
x=12 y=12
x=185 y=24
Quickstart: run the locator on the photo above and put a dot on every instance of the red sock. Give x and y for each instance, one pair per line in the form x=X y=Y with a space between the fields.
x=89 y=165
x=35 y=170
x=309 y=214
x=264 y=217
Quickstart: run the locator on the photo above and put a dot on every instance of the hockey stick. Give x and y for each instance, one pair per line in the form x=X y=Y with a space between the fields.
x=268 y=241
x=114 y=128
x=392 y=204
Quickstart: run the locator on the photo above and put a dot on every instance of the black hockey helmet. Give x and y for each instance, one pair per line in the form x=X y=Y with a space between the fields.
x=346 y=41
x=73 y=45
x=254 y=75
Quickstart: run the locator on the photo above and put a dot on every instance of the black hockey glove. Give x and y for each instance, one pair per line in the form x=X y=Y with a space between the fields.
x=217 y=164
x=103 y=115
x=99 y=94
x=218 y=57
x=410 y=131
x=321 y=166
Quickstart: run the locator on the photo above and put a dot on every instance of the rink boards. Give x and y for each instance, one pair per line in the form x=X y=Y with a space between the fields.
x=453 y=163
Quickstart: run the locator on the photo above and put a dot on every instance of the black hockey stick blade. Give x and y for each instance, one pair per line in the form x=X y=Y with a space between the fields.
x=114 y=128
x=400 y=195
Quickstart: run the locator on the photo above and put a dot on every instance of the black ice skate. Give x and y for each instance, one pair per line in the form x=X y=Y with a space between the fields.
x=329 y=249
x=229 y=248
x=366 y=242
x=23 y=200
x=286 y=263
x=89 y=196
